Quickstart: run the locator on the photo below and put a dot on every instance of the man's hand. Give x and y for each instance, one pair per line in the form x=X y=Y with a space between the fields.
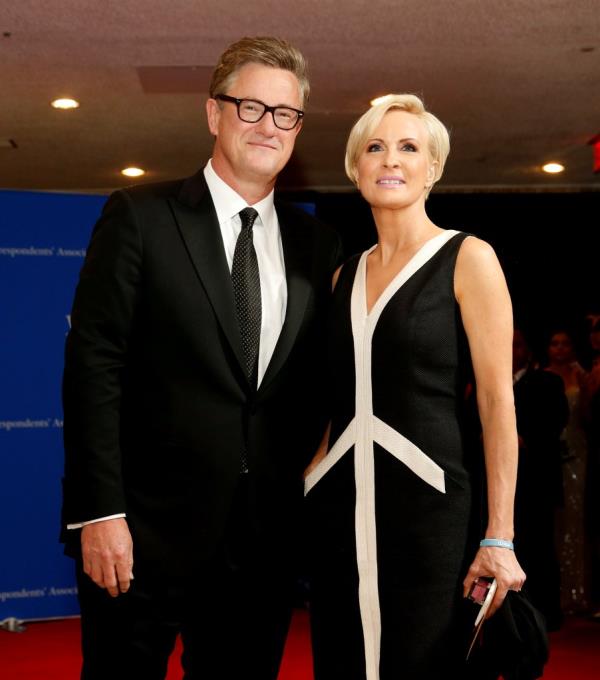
x=107 y=551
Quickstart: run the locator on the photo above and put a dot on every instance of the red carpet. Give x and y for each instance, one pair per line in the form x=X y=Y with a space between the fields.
x=50 y=651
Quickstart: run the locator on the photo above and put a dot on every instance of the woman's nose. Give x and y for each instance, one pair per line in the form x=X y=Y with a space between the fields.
x=391 y=159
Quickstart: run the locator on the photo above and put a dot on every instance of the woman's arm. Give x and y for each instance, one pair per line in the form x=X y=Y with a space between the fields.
x=486 y=312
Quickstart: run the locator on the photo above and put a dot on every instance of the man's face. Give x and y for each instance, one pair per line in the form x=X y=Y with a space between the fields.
x=253 y=153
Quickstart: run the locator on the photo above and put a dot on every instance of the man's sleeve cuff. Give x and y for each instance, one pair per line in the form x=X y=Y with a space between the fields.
x=78 y=525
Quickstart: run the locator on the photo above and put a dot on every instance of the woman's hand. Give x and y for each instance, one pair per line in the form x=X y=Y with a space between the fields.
x=501 y=564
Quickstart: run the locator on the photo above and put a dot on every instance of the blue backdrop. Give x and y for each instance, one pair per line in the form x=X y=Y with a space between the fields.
x=42 y=244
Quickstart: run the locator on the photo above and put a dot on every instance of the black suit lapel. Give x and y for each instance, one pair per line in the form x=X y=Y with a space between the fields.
x=195 y=215
x=297 y=256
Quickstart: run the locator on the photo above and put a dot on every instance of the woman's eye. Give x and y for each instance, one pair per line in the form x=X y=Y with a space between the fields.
x=373 y=147
x=409 y=147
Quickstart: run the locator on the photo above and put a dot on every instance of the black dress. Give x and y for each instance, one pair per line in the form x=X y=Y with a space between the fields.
x=390 y=507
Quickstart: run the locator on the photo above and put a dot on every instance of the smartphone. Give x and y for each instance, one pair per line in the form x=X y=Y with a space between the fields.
x=480 y=588
x=482 y=593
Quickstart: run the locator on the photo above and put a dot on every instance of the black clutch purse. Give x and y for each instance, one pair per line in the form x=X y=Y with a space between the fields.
x=512 y=644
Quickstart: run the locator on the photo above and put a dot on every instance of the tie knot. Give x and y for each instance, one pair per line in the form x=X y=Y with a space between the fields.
x=248 y=216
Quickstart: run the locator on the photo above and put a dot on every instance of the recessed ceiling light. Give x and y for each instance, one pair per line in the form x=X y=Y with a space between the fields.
x=553 y=168
x=380 y=100
x=65 y=103
x=133 y=172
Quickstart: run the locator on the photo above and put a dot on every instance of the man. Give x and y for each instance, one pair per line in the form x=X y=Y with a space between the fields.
x=542 y=412
x=193 y=395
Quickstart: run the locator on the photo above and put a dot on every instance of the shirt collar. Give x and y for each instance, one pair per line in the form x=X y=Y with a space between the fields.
x=228 y=202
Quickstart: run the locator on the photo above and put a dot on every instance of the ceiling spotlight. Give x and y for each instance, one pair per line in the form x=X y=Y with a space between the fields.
x=133 y=172
x=380 y=100
x=65 y=104
x=553 y=168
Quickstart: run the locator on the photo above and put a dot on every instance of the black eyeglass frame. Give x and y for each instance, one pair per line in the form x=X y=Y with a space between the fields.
x=268 y=109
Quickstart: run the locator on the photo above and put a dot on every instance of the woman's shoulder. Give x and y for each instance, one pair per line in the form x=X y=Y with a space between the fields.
x=478 y=272
x=474 y=247
x=476 y=256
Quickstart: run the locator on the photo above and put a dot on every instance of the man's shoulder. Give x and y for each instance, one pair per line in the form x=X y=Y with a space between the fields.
x=152 y=190
x=153 y=197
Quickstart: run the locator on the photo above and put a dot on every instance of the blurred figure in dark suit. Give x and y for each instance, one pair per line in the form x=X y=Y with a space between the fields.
x=542 y=413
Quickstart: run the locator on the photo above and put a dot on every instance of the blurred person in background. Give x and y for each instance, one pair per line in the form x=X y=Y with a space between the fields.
x=592 y=495
x=542 y=413
x=572 y=540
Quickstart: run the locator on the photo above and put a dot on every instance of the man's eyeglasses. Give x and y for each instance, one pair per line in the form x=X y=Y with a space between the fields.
x=251 y=111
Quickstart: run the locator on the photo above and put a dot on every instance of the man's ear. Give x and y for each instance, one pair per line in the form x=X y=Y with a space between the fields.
x=213 y=114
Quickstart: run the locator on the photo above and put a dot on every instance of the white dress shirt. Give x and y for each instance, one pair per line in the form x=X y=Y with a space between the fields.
x=269 y=252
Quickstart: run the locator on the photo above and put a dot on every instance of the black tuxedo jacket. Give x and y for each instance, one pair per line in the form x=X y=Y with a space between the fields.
x=157 y=407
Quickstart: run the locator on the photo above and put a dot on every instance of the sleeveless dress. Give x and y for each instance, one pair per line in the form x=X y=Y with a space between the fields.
x=389 y=508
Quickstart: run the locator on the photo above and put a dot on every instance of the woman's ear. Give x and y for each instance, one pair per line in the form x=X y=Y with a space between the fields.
x=431 y=173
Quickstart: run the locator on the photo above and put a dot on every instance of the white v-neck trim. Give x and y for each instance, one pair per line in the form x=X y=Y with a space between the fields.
x=421 y=257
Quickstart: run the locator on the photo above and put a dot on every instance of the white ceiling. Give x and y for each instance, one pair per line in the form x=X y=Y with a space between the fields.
x=516 y=81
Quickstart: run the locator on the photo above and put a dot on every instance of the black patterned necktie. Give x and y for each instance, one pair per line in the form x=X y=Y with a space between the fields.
x=246 y=291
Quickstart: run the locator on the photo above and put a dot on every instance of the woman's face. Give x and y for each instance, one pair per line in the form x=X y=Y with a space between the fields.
x=560 y=349
x=395 y=168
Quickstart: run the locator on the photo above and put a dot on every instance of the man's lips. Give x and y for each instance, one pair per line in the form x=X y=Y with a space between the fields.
x=263 y=145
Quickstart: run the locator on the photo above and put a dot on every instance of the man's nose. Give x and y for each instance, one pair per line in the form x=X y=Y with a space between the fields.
x=267 y=124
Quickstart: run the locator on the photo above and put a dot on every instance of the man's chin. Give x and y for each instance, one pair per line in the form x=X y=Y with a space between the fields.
x=266 y=172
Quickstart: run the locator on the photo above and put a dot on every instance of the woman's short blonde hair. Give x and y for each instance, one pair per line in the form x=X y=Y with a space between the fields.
x=439 y=139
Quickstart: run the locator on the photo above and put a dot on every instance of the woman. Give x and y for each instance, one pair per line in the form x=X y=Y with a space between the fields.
x=572 y=540
x=389 y=492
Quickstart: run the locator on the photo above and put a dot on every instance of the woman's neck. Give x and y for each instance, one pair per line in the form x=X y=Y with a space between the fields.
x=401 y=231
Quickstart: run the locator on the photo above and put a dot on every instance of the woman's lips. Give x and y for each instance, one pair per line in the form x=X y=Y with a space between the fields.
x=390 y=181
